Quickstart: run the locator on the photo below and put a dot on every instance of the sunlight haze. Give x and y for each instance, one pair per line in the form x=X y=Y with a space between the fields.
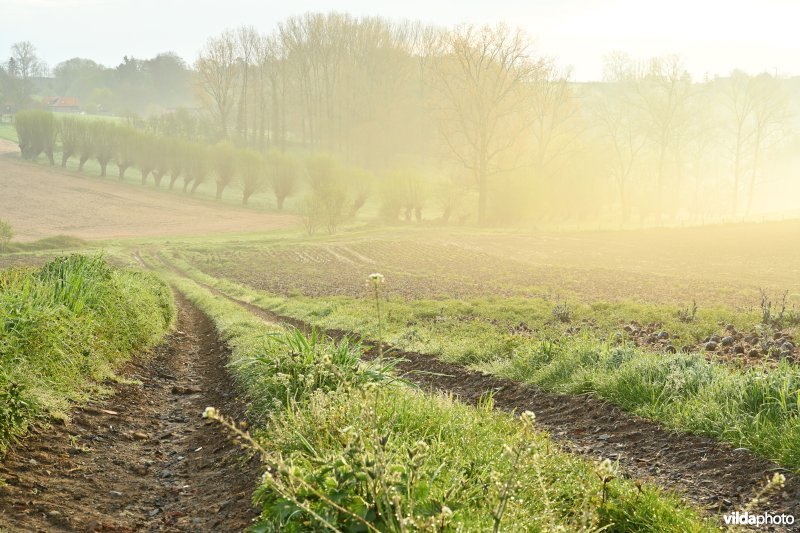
x=714 y=37
x=399 y=266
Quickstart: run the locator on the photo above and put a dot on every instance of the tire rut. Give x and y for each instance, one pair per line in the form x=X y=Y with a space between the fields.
x=142 y=459
x=704 y=471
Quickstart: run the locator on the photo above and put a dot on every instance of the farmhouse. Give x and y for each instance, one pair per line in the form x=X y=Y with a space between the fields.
x=62 y=104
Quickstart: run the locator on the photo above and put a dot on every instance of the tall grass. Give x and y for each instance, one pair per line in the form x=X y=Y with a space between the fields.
x=66 y=324
x=756 y=408
x=347 y=447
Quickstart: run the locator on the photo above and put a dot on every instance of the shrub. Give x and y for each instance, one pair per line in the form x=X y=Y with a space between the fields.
x=327 y=202
x=562 y=312
x=404 y=191
x=360 y=182
x=69 y=134
x=6 y=234
x=104 y=138
x=160 y=149
x=85 y=145
x=224 y=163
x=36 y=131
x=252 y=173
x=311 y=212
x=197 y=166
x=125 y=150
x=145 y=154
x=176 y=155
x=284 y=175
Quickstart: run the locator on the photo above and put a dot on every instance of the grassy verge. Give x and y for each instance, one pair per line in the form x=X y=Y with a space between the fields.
x=348 y=447
x=8 y=132
x=64 y=327
x=757 y=407
x=58 y=242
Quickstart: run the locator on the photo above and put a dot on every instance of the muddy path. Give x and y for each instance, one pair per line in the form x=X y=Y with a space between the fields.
x=143 y=459
x=707 y=472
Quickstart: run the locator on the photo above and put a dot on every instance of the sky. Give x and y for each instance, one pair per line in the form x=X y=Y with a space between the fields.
x=714 y=37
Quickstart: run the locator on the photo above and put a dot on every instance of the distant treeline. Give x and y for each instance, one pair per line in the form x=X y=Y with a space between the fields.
x=477 y=105
x=141 y=86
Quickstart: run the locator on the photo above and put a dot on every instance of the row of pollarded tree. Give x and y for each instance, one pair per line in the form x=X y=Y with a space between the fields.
x=39 y=132
x=334 y=192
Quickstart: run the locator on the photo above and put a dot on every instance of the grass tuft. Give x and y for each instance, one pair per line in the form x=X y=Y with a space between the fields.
x=65 y=326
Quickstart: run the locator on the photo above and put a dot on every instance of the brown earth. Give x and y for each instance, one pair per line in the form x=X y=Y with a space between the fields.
x=41 y=202
x=144 y=459
x=8 y=147
x=714 y=266
x=707 y=472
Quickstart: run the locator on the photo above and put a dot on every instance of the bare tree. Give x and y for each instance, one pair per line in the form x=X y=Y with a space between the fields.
x=22 y=67
x=756 y=110
x=217 y=75
x=771 y=114
x=482 y=80
x=664 y=88
x=247 y=44
x=740 y=107
x=619 y=123
x=556 y=124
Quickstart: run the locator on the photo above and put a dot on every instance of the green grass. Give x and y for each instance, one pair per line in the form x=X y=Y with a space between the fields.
x=756 y=407
x=66 y=326
x=58 y=242
x=348 y=445
x=8 y=132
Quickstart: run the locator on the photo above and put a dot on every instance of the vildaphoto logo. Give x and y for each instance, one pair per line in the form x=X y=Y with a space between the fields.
x=762 y=519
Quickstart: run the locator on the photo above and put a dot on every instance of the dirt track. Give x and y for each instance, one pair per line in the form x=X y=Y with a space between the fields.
x=42 y=202
x=709 y=473
x=144 y=460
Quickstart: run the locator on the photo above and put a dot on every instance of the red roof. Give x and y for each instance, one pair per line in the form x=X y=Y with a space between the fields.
x=63 y=101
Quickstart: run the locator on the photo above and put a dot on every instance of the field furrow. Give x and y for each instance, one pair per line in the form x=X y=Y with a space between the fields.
x=712 y=474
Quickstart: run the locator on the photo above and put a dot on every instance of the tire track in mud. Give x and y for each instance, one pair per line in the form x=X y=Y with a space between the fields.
x=143 y=459
x=707 y=472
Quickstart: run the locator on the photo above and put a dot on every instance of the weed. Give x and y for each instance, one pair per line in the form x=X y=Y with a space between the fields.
x=769 y=316
x=563 y=312
x=770 y=488
x=14 y=410
x=375 y=282
x=6 y=234
x=688 y=314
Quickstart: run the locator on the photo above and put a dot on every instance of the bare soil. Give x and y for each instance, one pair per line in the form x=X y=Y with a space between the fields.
x=144 y=459
x=714 y=266
x=40 y=201
x=709 y=473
